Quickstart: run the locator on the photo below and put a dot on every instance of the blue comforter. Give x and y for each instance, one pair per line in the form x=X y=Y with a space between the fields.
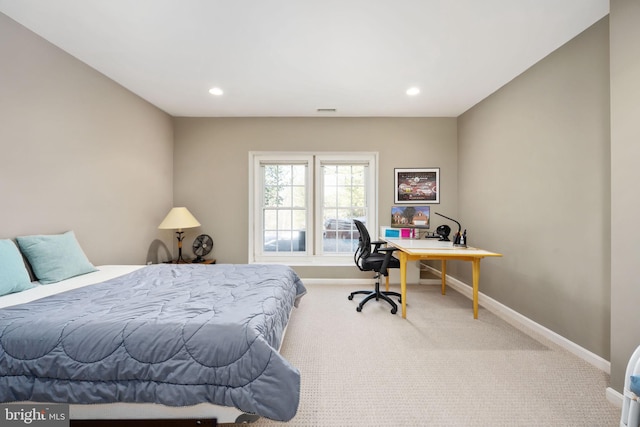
x=177 y=335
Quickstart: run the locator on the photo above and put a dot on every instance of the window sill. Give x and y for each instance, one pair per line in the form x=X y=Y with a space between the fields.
x=307 y=262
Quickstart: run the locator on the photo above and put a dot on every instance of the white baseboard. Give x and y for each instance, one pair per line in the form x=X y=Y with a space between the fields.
x=614 y=397
x=518 y=319
x=354 y=282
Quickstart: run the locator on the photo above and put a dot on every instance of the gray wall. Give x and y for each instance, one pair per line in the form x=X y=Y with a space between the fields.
x=79 y=152
x=625 y=176
x=211 y=159
x=534 y=185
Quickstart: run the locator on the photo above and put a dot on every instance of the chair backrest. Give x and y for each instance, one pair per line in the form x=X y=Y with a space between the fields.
x=364 y=245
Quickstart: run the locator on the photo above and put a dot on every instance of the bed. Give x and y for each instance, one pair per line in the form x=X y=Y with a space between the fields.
x=157 y=342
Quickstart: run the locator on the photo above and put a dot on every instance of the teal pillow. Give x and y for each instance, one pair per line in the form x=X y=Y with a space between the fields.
x=635 y=384
x=13 y=273
x=55 y=257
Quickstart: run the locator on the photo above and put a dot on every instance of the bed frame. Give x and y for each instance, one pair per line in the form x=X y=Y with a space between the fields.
x=152 y=414
x=144 y=423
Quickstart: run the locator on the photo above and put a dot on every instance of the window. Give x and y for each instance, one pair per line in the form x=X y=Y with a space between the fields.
x=302 y=206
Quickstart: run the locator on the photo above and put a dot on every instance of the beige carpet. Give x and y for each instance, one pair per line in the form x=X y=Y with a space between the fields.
x=438 y=367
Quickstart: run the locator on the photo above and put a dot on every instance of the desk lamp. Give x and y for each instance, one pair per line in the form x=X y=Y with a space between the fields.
x=179 y=218
x=460 y=239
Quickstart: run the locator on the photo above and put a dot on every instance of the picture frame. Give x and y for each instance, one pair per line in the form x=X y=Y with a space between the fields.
x=411 y=216
x=417 y=185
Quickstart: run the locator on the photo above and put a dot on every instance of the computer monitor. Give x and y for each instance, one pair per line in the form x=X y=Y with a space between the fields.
x=410 y=216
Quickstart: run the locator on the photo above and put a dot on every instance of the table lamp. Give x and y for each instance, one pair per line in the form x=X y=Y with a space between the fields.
x=177 y=219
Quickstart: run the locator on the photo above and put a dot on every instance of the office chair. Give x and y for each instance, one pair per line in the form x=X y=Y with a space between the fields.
x=378 y=260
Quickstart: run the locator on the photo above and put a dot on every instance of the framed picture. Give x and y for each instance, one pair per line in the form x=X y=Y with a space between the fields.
x=410 y=216
x=417 y=185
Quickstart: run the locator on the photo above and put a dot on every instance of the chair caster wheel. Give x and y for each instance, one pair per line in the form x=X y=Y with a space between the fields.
x=358 y=309
x=394 y=310
x=350 y=297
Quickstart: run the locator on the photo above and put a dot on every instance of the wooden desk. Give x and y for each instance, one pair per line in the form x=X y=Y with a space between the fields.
x=423 y=249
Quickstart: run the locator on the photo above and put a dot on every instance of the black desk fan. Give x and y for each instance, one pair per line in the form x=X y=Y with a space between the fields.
x=459 y=239
x=201 y=247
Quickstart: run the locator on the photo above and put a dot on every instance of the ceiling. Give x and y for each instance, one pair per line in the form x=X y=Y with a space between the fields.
x=291 y=58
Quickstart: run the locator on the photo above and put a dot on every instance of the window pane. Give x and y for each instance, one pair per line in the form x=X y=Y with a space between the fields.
x=330 y=196
x=299 y=175
x=299 y=220
x=284 y=196
x=299 y=197
x=343 y=200
x=344 y=196
x=330 y=177
x=270 y=175
x=357 y=175
x=270 y=219
x=358 y=195
x=284 y=220
x=283 y=174
x=344 y=175
x=284 y=229
x=285 y=241
x=271 y=197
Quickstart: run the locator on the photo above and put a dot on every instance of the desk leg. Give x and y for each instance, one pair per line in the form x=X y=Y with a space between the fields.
x=444 y=276
x=403 y=282
x=475 y=265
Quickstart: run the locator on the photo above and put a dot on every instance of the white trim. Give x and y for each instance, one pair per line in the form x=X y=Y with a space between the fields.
x=313 y=254
x=518 y=319
x=326 y=261
x=339 y=282
x=614 y=397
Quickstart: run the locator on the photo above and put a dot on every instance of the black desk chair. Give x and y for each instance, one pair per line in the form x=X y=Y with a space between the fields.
x=378 y=260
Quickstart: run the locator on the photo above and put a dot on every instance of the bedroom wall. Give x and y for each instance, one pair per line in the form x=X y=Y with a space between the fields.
x=534 y=176
x=79 y=152
x=211 y=160
x=625 y=175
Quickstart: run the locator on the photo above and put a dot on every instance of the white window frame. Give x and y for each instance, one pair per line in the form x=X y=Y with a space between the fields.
x=313 y=254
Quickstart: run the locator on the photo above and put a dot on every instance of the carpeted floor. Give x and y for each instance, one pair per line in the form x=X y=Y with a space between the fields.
x=438 y=367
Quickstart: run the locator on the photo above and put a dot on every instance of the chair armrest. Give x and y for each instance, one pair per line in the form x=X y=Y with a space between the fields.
x=376 y=245
x=389 y=250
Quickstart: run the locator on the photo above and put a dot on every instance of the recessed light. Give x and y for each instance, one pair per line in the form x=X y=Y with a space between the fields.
x=413 y=91
x=216 y=91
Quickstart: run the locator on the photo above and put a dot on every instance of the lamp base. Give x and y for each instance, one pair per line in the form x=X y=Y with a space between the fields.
x=180 y=236
x=181 y=260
